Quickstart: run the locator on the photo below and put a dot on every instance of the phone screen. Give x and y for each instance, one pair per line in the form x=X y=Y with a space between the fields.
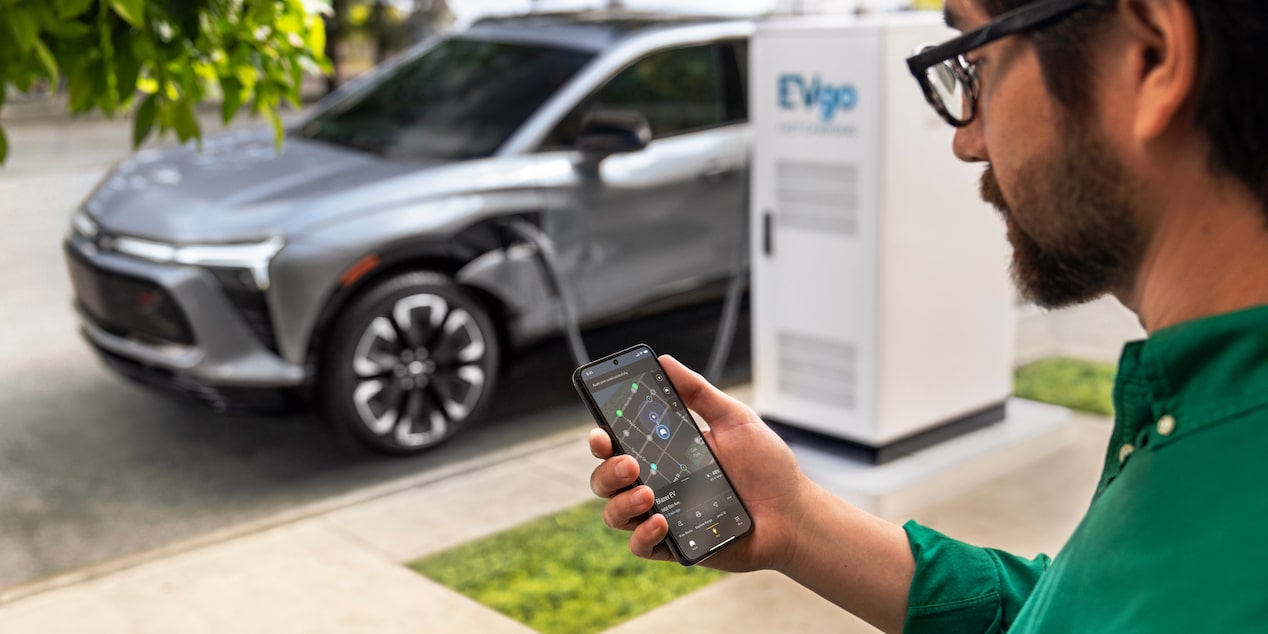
x=641 y=409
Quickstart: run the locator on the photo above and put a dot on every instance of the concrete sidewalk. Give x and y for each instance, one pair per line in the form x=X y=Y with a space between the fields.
x=341 y=570
x=337 y=566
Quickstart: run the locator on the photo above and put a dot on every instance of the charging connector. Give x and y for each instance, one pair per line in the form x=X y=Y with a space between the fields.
x=544 y=251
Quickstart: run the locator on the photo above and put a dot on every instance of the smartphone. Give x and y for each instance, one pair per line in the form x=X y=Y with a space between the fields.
x=631 y=398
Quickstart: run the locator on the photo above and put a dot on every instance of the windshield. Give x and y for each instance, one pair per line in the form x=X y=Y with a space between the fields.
x=461 y=99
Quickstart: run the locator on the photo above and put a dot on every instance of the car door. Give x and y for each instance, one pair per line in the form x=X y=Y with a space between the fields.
x=647 y=225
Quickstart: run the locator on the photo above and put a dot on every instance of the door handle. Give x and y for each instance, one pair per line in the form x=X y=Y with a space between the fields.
x=715 y=172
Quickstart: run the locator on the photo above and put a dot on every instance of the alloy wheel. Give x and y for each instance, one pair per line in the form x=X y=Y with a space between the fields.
x=418 y=370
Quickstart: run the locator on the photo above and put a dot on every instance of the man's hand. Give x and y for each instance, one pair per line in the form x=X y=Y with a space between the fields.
x=760 y=466
x=855 y=560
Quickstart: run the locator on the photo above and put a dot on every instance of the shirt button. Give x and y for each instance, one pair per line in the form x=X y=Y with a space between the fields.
x=1166 y=425
x=1124 y=451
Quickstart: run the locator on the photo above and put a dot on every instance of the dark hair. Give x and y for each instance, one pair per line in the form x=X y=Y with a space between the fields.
x=1232 y=83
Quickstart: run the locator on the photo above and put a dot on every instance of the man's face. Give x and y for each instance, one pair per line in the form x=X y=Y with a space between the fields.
x=1065 y=197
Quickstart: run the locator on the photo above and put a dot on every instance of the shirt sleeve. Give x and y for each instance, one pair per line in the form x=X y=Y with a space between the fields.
x=962 y=588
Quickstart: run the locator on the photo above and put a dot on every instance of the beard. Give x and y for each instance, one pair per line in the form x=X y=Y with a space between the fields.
x=1073 y=229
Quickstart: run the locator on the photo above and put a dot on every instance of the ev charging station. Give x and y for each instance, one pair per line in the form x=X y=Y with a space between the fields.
x=883 y=318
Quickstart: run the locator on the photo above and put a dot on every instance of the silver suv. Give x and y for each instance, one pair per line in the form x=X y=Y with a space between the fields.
x=386 y=261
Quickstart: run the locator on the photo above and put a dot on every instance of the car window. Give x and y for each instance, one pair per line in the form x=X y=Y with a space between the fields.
x=678 y=91
x=460 y=99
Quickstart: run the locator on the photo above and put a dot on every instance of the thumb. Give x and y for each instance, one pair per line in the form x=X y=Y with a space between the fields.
x=698 y=394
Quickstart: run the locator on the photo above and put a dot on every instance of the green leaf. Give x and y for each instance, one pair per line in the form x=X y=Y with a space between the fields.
x=143 y=49
x=185 y=122
x=4 y=146
x=81 y=83
x=316 y=37
x=233 y=97
x=127 y=69
x=46 y=58
x=105 y=91
x=290 y=23
x=144 y=122
x=67 y=29
x=132 y=11
x=264 y=12
x=72 y=8
x=26 y=30
x=279 y=133
x=247 y=75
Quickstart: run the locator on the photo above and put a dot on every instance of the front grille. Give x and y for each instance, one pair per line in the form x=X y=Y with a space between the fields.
x=126 y=306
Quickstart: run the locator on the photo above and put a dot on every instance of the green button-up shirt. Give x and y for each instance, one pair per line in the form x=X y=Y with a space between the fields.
x=1171 y=541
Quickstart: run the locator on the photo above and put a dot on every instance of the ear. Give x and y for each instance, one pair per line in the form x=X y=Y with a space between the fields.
x=1163 y=55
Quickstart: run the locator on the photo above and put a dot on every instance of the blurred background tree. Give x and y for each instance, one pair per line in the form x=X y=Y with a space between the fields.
x=160 y=58
x=361 y=33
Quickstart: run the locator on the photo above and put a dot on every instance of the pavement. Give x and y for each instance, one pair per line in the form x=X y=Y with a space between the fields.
x=340 y=568
x=337 y=566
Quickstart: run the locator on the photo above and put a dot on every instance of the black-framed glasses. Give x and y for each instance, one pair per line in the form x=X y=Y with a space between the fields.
x=949 y=81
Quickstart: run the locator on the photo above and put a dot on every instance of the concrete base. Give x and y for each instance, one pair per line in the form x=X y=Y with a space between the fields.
x=895 y=489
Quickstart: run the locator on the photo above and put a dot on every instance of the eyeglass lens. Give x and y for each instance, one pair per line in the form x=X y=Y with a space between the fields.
x=947 y=81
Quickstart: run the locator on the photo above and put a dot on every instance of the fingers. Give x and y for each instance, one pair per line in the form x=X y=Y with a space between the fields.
x=697 y=393
x=646 y=542
x=628 y=509
x=613 y=475
x=600 y=444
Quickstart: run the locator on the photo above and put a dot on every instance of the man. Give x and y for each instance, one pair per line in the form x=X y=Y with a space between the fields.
x=1125 y=143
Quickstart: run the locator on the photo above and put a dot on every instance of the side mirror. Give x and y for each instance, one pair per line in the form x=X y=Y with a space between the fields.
x=608 y=131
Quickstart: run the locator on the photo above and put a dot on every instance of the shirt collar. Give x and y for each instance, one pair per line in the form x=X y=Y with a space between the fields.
x=1197 y=373
x=1202 y=368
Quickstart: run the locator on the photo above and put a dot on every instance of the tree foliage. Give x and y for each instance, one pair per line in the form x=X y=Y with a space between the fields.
x=160 y=58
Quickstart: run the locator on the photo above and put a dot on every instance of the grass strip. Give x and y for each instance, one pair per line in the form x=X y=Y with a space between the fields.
x=1086 y=386
x=566 y=573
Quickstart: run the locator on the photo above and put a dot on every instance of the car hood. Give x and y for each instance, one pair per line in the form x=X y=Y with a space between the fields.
x=240 y=187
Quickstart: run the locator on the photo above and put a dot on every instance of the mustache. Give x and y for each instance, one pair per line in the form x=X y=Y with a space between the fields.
x=990 y=191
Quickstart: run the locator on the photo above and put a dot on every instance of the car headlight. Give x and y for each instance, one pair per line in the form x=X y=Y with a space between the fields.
x=253 y=257
x=84 y=225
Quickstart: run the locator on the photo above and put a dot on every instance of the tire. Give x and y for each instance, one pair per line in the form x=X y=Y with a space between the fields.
x=410 y=361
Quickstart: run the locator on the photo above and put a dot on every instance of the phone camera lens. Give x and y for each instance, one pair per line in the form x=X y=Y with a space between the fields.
x=615 y=361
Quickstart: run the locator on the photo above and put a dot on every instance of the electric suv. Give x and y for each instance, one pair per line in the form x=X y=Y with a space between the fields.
x=387 y=260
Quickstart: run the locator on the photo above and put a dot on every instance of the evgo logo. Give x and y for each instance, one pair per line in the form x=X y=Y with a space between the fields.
x=796 y=91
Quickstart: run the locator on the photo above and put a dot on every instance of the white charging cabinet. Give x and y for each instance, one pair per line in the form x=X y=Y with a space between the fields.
x=882 y=309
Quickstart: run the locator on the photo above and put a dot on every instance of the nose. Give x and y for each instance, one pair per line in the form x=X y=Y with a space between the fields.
x=969 y=144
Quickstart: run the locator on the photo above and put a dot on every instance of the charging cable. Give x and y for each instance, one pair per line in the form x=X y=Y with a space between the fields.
x=725 y=338
x=547 y=259
x=544 y=249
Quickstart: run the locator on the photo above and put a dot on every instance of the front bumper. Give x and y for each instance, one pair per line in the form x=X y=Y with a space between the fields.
x=180 y=323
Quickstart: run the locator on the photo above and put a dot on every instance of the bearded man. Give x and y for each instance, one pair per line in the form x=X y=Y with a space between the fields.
x=1125 y=143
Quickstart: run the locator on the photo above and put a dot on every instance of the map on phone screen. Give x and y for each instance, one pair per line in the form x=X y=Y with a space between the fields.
x=644 y=413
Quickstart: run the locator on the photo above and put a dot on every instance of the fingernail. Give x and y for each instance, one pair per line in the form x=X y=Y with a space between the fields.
x=622 y=469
